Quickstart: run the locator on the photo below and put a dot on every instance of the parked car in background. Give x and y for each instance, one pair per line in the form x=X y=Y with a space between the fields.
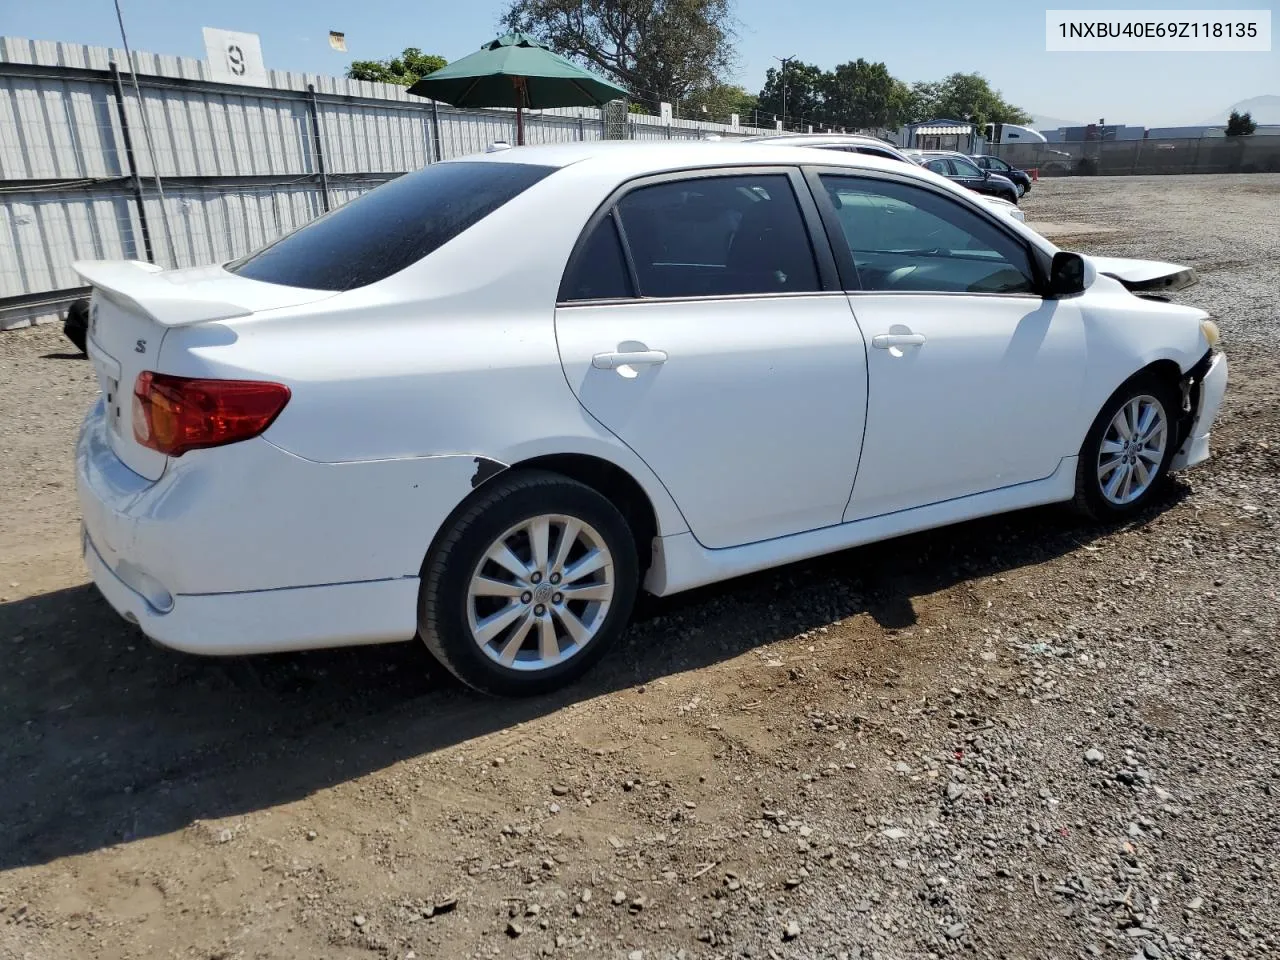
x=960 y=169
x=870 y=147
x=488 y=402
x=1021 y=179
x=845 y=142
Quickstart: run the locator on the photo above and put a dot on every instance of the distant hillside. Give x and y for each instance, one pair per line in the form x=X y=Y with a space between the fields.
x=1041 y=122
x=1262 y=109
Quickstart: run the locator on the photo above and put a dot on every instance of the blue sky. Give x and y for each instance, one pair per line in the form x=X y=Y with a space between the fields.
x=919 y=40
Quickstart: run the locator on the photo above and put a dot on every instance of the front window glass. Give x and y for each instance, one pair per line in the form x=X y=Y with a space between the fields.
x=909 y=239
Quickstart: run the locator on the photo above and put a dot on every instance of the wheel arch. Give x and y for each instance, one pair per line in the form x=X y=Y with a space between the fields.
x=613 y=482
x=1168 y=372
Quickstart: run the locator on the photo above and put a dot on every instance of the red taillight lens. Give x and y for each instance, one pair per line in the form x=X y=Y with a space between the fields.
x=177 y=414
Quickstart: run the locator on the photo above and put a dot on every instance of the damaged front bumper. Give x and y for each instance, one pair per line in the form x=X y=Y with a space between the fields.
x=1202 y=391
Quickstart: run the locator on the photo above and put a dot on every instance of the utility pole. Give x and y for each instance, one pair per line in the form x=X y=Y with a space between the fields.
x=784 y=61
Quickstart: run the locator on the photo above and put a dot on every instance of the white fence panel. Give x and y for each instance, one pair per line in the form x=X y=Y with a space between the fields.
x=239 y=165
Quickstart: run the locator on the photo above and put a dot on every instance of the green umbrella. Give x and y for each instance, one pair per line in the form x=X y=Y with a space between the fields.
x=516 y=71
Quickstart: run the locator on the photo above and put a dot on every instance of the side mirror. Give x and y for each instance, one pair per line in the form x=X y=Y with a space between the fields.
x=1066 y=275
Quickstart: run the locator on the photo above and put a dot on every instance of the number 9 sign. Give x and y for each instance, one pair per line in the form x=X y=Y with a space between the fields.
x=235 y=57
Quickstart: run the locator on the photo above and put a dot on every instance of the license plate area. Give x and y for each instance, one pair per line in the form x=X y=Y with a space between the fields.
x=114 y=404
x=109 y=383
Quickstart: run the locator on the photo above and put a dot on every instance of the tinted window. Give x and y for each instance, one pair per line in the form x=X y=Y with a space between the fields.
x=965 y=168
x=718 y=236
x=994 y=163
x=910 y=239
x=599 y=270
x=939 y=166
x=390 y=227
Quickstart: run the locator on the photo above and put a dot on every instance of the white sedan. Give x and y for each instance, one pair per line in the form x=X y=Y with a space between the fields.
x=488 y=402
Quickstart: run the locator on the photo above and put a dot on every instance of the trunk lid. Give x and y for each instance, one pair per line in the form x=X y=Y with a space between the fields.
x=134 y=304
x=1146 y=276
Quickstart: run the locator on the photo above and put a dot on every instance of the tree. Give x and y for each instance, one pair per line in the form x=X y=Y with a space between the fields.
x=922 y=102
x=968 y=96
x=662 y=50
x=406 y=69
x=1240 y=124
x=805 y=84
x=721 y=100
x=861 y=95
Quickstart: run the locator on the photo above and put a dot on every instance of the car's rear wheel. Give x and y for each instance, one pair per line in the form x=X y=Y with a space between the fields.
x=1126 y=454
x=529 y=585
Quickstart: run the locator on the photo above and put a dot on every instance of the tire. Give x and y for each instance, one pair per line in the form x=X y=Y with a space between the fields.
x=1021 y=191
x=464 y=594
x=1100 y=493
x=76 y=326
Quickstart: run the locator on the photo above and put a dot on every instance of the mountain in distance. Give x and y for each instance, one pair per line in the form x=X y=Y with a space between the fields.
x=1265 y=109
x=1041 y=122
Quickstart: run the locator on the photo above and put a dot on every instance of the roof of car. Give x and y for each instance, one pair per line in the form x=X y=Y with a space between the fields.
x=632 y=158
x=800 y=138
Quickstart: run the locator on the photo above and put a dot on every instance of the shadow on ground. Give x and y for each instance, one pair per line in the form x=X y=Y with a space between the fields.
x=104 y=738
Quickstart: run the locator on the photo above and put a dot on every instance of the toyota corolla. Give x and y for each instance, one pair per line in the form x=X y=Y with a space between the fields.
x=487 y=403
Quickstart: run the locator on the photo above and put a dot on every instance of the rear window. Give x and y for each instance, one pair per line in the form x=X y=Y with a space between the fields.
x=388 y=228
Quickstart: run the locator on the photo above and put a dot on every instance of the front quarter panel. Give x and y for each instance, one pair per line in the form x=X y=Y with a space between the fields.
x=1124 y=334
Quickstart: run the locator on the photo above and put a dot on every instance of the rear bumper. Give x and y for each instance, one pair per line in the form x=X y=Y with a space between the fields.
x=266 y=621
x=1213 y=386
x=249 y=549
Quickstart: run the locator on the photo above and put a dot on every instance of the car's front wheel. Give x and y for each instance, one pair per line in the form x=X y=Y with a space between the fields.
x=1021 y=189
x=529 y=585
x=1127 y=451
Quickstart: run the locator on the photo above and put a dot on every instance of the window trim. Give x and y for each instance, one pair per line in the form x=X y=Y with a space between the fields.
x=844 y=257
x=579 y=251
x=829 y=279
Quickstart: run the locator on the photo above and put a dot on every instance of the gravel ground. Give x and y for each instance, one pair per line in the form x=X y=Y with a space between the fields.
x=1021 y=737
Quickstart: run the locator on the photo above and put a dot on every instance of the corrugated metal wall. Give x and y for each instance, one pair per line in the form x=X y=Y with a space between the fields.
x=238 y=165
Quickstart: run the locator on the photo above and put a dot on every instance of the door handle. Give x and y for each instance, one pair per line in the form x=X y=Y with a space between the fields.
x=633 y=358
x=883 y=341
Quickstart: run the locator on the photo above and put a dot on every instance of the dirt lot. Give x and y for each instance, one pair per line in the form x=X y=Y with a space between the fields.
x=1022 y=737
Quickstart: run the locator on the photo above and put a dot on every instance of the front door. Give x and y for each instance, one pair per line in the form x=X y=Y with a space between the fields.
x=973 y=378
x=694 y=326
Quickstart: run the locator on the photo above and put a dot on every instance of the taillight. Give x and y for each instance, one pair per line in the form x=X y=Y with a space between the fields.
x=177 y=414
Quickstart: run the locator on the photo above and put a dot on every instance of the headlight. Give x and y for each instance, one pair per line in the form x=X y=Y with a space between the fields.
x=1211 y=332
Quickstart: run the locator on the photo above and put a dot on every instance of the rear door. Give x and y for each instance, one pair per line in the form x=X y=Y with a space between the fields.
x=701 y=321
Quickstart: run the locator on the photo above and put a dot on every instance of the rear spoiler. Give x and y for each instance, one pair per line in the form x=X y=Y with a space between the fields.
x=143 y=286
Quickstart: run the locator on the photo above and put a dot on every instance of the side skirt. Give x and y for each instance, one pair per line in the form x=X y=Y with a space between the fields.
x=681 y=563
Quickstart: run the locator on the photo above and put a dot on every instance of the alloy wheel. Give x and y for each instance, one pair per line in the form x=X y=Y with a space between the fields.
x=1132 y=450
x=541 y=592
